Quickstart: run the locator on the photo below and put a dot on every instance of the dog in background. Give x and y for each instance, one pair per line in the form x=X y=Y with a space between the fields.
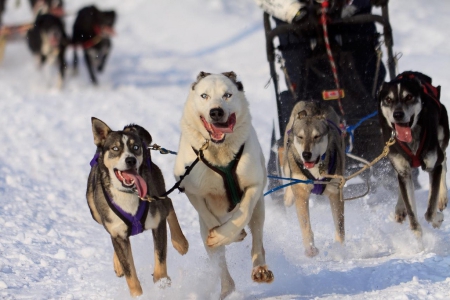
x=410 y=109
x=48 y=41
x=122 y=174
x=92 y=31
x=52 y=7
x=226 y=186
x=313 y=145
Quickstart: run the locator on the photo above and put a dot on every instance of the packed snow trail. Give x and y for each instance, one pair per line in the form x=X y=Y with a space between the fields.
x=52 y=249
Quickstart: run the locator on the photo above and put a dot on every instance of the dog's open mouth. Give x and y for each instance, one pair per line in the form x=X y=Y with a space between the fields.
x=131 y=179
x=217 y=131
x=311 y=164
x=403 y=131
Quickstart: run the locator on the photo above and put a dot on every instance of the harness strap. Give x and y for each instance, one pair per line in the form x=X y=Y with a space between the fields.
x=136 y=222
x=415 y=158
x=318 y=188
x=229 y=177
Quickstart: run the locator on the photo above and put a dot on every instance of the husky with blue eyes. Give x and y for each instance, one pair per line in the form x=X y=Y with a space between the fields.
x=410 y=110
x=122 y=181
x=226 y=185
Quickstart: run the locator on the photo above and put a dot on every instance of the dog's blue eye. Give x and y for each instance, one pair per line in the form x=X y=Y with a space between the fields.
x=135 y=147
x=115 y=148
x=204 y=96
x=227 y=95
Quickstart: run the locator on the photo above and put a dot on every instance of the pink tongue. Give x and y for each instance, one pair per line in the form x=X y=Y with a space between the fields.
x=217 y=131
x=227 y=127
x=403 y=133
x=141 y=186
x=309 y=165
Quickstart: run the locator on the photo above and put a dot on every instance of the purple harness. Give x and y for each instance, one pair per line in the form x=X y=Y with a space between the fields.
x=319 y=188
x=136 y=222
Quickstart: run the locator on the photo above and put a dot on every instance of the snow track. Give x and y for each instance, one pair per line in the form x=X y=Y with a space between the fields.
x=52 y=249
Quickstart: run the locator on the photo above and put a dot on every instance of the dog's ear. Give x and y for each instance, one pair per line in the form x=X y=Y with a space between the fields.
x=302 y=114
x=200 y=76
x=233 y=77
x=100 y=131
x=140 y=131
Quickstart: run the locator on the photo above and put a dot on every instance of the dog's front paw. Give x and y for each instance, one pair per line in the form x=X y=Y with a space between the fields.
x=443 y=200
x=311 y=251
x=436 y=219
x=400 y=215
x=181 y=245
x=216 y=238
x=241 y=236
x=163 y=282
x=261 y=274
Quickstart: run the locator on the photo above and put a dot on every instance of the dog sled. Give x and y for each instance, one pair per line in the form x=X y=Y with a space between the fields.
x=330 y=74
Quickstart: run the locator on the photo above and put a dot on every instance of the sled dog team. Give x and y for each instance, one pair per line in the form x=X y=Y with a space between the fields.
x=220 y=167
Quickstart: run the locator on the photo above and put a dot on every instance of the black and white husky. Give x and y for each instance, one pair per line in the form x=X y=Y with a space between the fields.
x=121 y=175
x=410 y=110
x=48 y=41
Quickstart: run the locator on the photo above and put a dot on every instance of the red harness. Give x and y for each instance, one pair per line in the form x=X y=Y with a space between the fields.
x=100 y=33
x=433 y=93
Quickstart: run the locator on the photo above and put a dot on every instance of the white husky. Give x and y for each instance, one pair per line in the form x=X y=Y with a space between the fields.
x=226 y=186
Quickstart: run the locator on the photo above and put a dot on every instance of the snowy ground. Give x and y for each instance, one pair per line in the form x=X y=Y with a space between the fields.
x=52 y=249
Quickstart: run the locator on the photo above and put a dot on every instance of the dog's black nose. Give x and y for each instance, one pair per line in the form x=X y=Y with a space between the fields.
x=130 y=161
x=306 y=155
x=399 y=115
x=216 y=114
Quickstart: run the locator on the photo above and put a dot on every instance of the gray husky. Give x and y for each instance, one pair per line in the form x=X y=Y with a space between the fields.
x=313 y=145
x=121 y=175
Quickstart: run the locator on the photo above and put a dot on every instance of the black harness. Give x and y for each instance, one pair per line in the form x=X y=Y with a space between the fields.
x=229 y=177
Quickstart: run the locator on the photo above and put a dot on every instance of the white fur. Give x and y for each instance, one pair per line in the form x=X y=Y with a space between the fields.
x=205 y=188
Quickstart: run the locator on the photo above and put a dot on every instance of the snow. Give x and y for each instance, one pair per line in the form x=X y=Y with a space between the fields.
x=52 y=249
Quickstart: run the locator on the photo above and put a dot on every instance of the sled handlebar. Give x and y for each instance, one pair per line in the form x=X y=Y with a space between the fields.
x=301 y=28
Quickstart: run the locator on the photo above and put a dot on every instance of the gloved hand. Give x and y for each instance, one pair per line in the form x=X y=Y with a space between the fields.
x=300 y=15
x=379 y=2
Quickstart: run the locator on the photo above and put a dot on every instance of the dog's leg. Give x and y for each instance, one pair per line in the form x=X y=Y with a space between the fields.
x=179 y=241
x=122 y=248
x=160 y=246
x=75 y=60
x=337 y=210
x=89 y=64
x=400 y=209
x=260 y=272
x=302 y=193
x=217 y=256
x=443 y=197
x=407 y=193
x=62 y=66
x=436 y=218
x=227 y=232
x=117 y=266
x=205 y=214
